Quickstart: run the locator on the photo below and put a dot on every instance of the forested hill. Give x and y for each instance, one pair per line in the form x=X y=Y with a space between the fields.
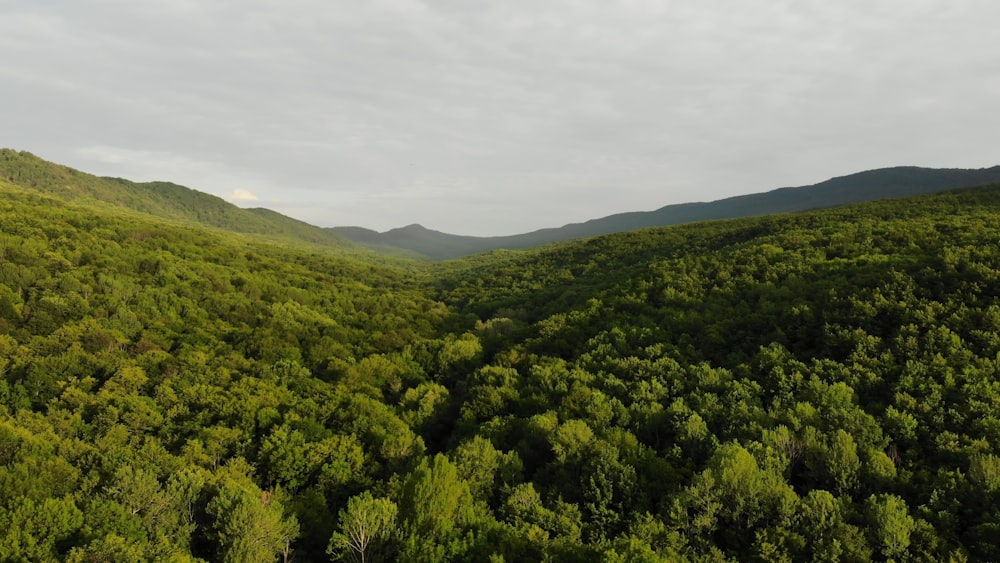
x=817 y=386
x=864 y=186
x=809 y=387
x=161 y=199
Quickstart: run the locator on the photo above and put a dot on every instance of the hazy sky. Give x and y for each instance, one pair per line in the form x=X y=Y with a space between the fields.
x=498 y=117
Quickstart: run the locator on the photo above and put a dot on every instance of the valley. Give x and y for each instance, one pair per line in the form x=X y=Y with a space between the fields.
x=184 y=380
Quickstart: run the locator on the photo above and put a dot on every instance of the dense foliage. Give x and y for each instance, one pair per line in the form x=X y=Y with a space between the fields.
x=810 y=387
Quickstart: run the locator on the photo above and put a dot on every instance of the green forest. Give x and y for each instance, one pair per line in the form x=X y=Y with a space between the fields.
x=816 y=386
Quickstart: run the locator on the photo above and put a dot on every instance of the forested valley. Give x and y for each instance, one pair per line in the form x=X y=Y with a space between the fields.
x=818 y=386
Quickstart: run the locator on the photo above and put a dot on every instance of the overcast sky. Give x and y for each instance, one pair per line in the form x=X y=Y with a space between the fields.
x=500 y=117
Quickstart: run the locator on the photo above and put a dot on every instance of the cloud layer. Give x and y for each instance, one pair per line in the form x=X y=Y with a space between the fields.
x=482 y=117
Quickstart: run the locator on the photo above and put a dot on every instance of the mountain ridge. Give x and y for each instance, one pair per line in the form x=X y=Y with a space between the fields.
x=172 y=201
x=165 y=200
x=869 y=185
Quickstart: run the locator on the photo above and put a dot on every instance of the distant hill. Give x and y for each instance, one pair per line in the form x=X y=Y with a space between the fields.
x=872 y=185
x=435 y=244
x=161 y=199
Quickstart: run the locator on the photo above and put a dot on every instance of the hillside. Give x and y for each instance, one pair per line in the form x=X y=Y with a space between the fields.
x=839 y=359
x=864 y=186
x=161 y=199
x=815 y=386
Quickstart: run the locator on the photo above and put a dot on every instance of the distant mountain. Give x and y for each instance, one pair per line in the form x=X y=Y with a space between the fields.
x=872 y=185
x=433 y=244
x=161 y=199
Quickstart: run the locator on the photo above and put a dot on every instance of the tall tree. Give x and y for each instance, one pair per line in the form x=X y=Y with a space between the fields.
x=250 y=524
x=365 y=520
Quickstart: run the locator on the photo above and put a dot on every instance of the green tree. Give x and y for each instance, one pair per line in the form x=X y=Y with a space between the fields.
x=284 y=457
x=363 y=525
x=432 y=504
x=31 y=530
x=135 y=489
x=984 y=471
x=250 y=524
x=891 y=524
x=843 y=462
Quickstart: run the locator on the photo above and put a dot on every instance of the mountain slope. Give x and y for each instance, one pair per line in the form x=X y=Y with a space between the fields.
x=864 y=186
x=801 y=387
x=162 y=199
x=811 y=358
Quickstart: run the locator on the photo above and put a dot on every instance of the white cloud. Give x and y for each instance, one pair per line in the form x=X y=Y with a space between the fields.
x=242 y=195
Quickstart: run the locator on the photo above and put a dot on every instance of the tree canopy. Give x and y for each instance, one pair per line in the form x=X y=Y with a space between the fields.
x=805 y=387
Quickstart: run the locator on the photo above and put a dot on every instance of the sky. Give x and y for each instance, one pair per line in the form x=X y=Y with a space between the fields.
x=495 y=118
